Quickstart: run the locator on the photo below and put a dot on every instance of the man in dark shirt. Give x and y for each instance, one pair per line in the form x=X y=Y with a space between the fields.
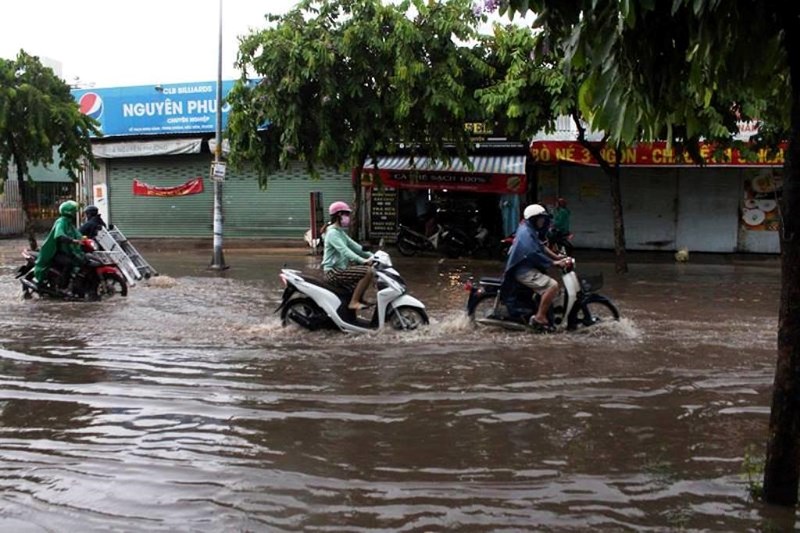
x=528 y=262
x=93 y=222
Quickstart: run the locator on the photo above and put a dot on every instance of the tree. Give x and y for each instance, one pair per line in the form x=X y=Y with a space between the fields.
x=344 y=81
x=689 y=68
x=37 y=117
x=531 y=89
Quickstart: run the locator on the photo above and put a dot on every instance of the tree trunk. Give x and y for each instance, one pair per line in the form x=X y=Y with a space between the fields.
x=782 y=468
x=24 y=195
x=621 y=261
x=355 y=216
x=613 y=173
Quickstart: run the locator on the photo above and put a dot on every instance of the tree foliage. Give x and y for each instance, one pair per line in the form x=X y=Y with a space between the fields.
x=39 y=116
x=687 y=69
x=340 y=81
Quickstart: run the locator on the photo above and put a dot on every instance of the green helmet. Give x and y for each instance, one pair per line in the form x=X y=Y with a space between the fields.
x=68 y=208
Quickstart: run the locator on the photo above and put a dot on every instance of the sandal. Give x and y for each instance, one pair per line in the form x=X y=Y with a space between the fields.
x=360 y=306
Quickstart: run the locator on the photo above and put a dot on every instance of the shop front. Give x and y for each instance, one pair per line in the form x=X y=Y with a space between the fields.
x=729 y=204
x=154 y=177
x=419 y=193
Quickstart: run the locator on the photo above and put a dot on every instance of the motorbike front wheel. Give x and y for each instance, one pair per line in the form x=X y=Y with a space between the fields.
x=407 y=317
x=596 y=311
x=112 y=285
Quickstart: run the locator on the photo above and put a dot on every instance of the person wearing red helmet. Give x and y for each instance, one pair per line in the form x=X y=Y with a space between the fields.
x=344 y=261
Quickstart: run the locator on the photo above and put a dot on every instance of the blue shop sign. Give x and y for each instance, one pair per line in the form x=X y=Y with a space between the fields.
x=155 y=110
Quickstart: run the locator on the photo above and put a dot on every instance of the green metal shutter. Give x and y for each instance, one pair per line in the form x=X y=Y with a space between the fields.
x=280 y=211
x=152 y=216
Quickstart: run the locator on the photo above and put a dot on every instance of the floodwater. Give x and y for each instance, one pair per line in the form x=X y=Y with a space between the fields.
x=187 y=407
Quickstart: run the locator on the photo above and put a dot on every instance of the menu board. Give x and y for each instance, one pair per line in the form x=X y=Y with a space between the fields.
x=383 y=212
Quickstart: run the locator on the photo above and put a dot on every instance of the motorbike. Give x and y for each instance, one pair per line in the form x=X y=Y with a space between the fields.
x=310 y=302
x=99 y=277
x=577 y=306
x=452 y=242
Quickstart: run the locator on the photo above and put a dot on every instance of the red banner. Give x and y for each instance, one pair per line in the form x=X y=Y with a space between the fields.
x=452 y=181
x=193 y=186
x=652 y=154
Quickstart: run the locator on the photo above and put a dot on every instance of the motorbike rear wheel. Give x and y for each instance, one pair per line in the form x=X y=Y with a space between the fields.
x=595 y=312
x=405 y=248
x=484 y=307
x=407 y=317
x=112 y=285
x=300 y=312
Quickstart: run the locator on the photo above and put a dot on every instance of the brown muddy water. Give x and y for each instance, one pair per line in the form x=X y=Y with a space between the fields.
x=187 y=407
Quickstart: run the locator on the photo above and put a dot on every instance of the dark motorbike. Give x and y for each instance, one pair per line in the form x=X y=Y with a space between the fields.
x=99 y=277
x=577 y=306
x=452 y=242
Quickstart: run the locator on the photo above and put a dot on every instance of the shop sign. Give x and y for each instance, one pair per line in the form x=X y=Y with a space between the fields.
x=652 y=154
x=155 y=110
x=383 y=212
x=760 y=205
x=454 y=181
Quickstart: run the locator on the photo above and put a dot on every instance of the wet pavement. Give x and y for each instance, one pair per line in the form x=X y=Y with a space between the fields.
x=187 y=407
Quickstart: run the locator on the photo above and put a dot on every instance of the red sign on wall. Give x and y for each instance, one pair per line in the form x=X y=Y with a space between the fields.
x=193 y=186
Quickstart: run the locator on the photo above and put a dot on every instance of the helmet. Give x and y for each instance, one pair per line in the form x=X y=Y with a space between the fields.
x=90 y=210
x=533 y=210
x=68 y=208
x=336 y=207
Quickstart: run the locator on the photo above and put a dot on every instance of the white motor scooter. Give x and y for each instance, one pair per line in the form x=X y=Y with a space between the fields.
x=309 y=301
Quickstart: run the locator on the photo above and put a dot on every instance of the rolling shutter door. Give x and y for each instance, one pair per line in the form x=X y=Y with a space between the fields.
x=280 y=211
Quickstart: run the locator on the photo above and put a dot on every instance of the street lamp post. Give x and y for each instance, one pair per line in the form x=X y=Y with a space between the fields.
x=218 y=258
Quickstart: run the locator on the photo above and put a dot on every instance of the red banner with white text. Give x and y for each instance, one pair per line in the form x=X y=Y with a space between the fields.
x=655 y=154
x=193 y=186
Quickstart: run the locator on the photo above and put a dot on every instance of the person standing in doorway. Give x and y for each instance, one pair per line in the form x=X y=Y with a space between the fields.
x=509 y=210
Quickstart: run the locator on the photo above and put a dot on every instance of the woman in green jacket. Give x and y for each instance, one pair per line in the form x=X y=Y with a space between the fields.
x=344 y=261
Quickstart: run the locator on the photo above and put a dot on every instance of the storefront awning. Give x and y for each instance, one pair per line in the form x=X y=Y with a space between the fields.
x=147 y=148
x=655 y=154
x=489 y=174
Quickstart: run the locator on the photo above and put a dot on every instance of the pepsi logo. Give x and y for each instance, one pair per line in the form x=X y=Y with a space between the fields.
x=91 y=105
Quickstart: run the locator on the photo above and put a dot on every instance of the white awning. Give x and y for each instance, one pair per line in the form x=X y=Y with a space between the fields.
x=495 y=164
x=146 y=148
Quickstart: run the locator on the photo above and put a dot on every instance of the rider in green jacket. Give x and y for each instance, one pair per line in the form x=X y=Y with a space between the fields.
x=62 y=246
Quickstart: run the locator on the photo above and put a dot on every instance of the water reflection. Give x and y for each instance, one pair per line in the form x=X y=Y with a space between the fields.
x=188 y=407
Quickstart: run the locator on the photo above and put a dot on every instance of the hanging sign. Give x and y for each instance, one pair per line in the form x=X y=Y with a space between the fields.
x=193 y=186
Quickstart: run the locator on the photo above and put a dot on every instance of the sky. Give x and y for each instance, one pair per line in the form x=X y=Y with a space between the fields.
x=115 y=43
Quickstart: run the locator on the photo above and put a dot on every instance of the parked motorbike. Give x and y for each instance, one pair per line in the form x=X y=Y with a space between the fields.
x=99 y=277
x=312 y=303
x=452 y=242
x=577 y=306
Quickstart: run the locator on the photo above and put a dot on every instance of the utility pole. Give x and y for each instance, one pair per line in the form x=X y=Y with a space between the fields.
x=218 y=259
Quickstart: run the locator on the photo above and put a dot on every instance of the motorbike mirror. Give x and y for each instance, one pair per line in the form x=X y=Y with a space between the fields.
x=381 y=244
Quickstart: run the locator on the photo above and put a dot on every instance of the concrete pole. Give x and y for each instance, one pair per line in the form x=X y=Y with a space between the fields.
x=218 y=259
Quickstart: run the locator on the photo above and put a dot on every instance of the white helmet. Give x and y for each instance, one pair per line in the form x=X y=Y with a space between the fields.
x=533 y=210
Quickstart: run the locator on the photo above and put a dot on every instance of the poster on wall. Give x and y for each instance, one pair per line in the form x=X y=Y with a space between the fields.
x=193 y=186
x=762 y=192
x=383 y=212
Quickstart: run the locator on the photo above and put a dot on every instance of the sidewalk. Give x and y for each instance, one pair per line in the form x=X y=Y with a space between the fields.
x=299 y=247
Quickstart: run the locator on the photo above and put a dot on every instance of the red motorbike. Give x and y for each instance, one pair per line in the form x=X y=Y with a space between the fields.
x=98 y=277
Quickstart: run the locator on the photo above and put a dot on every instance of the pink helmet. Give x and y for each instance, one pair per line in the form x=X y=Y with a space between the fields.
x=337 y=207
